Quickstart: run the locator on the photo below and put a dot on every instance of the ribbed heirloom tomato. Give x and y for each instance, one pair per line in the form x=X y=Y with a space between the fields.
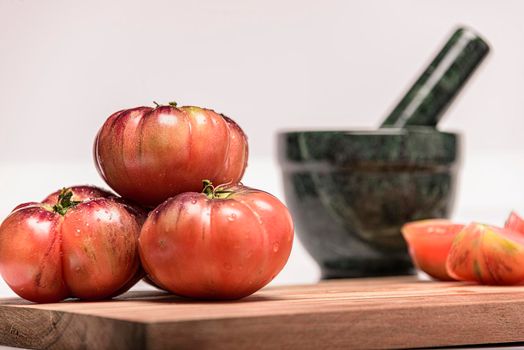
x=79 y=242
x=224 y=243
x=150 y=154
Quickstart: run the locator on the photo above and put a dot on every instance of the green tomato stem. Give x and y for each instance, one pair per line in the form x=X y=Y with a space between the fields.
x=64 y=201
x=171 y=104
x=215 y=192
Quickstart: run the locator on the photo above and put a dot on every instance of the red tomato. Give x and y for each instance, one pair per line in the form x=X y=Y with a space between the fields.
x=429 y=242
x=224 y=243
x=150 y=154
x=515 y=223
x=488 y=255
x=81 y=242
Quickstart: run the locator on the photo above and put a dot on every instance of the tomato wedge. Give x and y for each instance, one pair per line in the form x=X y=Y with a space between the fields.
x=487 y=255
x=515 y=223
x=429 y=242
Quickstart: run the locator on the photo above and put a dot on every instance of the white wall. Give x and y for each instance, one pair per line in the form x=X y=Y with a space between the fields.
x=66 y=65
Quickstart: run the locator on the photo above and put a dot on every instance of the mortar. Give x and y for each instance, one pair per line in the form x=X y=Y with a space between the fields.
x=350 y=192
x=349 y=205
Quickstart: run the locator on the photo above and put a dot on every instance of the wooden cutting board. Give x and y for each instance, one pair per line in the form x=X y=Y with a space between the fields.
x=397 y=312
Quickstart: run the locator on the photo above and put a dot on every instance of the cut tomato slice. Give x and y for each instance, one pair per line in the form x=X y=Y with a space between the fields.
x=488 y=255
x=429 y=242
x=515 y=223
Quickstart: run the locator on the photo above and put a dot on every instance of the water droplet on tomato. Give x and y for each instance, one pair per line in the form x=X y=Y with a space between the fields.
x=77 y=233
x=232 y=217
x=77 y=269
x=193 y=201
x=276 y=247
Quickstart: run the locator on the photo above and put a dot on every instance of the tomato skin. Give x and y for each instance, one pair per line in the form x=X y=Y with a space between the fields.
x=487 y=255
x=429 y=242
x=216 y=248
x=150 y=154
x=515 y=223
x=33 y=276
x=90 y=252
x=80 y=193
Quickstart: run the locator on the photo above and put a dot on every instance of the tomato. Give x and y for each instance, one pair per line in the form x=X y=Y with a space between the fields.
x=80 y=242
x=224 y=243
x=150 y=154
x=429 y=242
x=515 y=223
x=488 y=255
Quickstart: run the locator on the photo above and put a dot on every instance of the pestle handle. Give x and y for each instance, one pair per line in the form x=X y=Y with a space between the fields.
x=432 y=93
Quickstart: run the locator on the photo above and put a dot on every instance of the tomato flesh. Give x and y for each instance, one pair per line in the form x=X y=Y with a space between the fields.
x=429 y=242
x=488 y=255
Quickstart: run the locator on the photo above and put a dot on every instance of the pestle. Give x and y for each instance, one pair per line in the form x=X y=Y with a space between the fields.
x=432 y=93
x=351 y=191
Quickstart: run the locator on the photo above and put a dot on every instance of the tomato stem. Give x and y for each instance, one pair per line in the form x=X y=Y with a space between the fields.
x=215 y=192
x=64 y=201
x=208 y=188
x=172 y=104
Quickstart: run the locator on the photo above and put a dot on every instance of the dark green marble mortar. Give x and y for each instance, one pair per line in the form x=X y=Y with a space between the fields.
x=350 y=192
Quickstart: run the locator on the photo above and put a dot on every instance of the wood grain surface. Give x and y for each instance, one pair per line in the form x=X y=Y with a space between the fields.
x=395 y=312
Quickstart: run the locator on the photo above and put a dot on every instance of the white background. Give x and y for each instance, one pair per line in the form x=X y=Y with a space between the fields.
x=272 y=65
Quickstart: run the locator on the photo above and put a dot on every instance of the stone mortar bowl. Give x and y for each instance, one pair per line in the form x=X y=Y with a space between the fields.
x=350 y=192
